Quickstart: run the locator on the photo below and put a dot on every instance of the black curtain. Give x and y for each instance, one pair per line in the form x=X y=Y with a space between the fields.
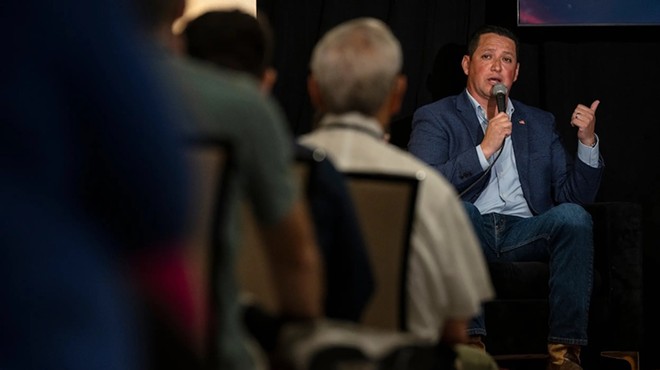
x=560 y=67
x=423 y=26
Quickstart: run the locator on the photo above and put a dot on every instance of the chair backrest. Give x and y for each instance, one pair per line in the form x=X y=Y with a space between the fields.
x=253 y=270
x=385 y=206
x=209 y=162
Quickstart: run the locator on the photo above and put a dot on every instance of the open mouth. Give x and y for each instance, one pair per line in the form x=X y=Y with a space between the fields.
x=494 y=80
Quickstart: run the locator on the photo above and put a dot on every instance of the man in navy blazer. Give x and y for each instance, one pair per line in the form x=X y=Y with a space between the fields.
x=522 y=190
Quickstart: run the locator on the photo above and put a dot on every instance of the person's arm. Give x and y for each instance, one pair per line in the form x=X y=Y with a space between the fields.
x=578 y=181
x=454 y=331
x=584 y=118
x=295 y=264
x=285 y=225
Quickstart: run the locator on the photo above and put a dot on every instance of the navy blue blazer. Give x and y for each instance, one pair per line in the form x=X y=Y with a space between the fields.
x=446 y=132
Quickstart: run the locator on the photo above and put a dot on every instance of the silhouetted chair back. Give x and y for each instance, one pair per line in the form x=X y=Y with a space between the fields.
x=253 y=270
x=209 y=161
x=385 y=206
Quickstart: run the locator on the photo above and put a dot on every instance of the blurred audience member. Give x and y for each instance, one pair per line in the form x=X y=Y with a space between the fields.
x=356 y=84
x=236 y=40
x=228 y=106
x=92 y=179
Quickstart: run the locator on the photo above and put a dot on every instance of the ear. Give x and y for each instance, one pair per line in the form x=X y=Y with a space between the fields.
x=397 y=94
x=314 y=92
x=465 y=64
x=268 y=79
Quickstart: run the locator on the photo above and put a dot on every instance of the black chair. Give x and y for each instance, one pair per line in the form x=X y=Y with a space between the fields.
x=252 y=268
x=385 y=206
x=517 y=319
x=210 y=163
x=260 y=305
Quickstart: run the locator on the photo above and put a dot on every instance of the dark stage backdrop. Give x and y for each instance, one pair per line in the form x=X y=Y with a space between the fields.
x=560 y=67
x=425 y=27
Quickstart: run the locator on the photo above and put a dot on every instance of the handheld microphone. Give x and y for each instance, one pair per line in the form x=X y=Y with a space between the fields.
x=499 y=90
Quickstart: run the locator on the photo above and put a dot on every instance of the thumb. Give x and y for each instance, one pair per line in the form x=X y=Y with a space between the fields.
x=595 y=105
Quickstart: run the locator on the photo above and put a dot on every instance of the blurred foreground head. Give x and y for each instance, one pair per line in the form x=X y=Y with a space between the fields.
x=235 y=40
x=356 y=65
x=232 y=39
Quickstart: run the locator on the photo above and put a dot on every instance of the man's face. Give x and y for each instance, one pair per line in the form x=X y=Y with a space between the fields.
x=493 y=61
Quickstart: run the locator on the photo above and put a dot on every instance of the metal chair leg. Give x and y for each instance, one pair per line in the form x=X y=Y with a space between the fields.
x=631 y=357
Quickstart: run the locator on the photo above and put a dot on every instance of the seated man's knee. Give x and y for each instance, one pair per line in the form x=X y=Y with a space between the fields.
x=573 y=223
x=573 y=215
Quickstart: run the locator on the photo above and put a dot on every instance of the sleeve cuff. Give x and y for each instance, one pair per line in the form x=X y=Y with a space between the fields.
x=590 y=155
x=482 y=158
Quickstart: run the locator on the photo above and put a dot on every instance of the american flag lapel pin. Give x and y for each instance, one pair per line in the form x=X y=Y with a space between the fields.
x=522 y=122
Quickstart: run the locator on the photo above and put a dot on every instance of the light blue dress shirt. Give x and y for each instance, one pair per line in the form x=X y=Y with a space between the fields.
x=504 y=194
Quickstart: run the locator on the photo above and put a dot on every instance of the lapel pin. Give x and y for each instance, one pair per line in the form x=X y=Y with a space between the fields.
x=522 y=122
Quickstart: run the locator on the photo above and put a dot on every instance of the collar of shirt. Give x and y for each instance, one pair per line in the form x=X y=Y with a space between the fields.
x=353 y=121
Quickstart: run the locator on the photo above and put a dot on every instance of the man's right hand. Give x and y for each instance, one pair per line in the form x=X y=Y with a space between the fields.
x=498 y=129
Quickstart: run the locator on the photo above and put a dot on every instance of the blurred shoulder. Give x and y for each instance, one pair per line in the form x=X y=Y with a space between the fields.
x=225 y=97
x=214 y=80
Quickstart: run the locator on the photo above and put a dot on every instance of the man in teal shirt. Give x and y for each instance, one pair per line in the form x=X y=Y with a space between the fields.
x=228 y=106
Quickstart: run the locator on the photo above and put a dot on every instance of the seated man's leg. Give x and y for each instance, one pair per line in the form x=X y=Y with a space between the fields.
x=485 y=233
x=563 y=236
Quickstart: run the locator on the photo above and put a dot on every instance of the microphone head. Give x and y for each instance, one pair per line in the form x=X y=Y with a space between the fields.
x=499 y=89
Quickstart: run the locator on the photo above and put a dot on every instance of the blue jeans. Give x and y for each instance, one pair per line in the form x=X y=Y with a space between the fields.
x=562 y=236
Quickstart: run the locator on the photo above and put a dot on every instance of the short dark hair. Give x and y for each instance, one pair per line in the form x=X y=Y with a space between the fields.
x=474 y=39
x=231 y=39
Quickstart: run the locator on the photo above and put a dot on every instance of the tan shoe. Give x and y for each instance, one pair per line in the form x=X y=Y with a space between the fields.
x=569 y=359
x=569 y=364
